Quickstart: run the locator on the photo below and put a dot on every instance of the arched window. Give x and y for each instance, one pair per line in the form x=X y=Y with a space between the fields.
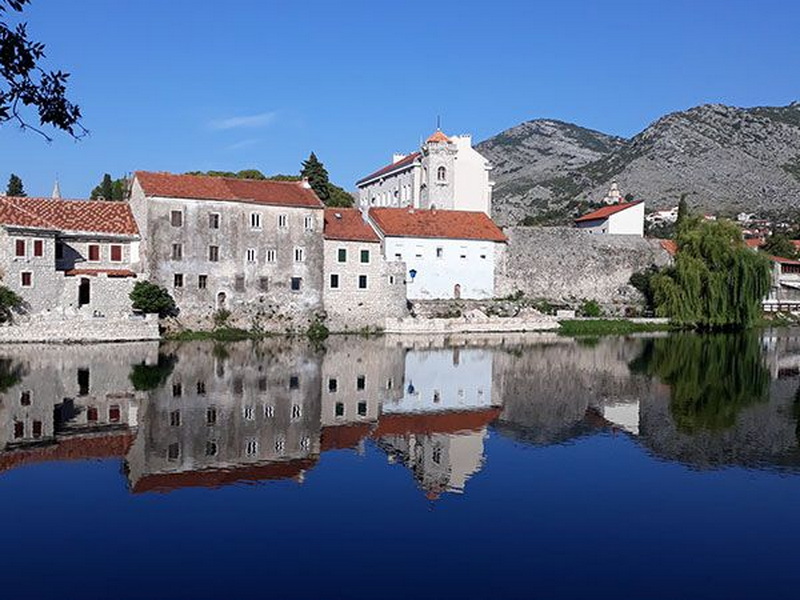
x=441 y=174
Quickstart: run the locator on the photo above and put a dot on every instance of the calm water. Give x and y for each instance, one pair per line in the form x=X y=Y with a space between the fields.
x=393 y=468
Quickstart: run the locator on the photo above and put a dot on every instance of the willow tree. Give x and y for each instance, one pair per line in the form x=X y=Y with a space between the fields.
x=717 y=282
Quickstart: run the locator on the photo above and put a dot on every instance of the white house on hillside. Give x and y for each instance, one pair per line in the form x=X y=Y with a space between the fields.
x=446 y=173
x=625 y=218
x=448 y=254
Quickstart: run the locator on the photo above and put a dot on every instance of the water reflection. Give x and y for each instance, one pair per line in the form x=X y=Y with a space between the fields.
x=206 y=415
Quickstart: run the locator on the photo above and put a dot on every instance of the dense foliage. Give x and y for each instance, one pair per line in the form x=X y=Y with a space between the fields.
x=151 y=298
x=15 y=187
x=716 y=281
x=146 y=377
x=110 y=189
x=9 y=302
x=779 y=244
x=711 y=377
x=25 y=84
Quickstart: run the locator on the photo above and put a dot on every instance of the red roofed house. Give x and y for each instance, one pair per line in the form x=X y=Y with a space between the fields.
x=250 y=246
x=619 y=218
x=69 y=258
x=361 y=288
x=447 y=173
x=784 y=293
x=447 y=253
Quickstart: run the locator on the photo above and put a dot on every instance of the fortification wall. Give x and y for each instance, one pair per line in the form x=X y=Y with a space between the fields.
x=90 y=329
x=567 y=265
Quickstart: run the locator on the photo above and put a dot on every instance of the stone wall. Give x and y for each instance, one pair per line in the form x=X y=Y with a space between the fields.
x=565 y=266
x=82 y=329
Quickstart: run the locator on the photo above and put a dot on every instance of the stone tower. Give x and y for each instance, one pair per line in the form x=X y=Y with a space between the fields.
x=438 y=170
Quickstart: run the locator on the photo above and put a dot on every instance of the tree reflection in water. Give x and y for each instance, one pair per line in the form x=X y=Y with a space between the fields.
x=711 y=377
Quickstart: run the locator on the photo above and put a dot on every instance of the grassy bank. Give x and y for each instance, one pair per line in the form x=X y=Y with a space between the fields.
x=609 y=327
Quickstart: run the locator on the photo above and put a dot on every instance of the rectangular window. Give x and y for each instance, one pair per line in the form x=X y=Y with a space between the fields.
x=251 y=448
x=25 y=398
x=38 y=248
x=338 y=409
x=299 y=254
x=362 y=282
x=333 y=385
x=308 y=223
x=20 y=247
x=201 y=388
x=362 y=409
x=27 y=279
x=177 y=389
x=269 y=411
x=297 y=412
x=211 y=448
x=83 y=382
x=178 y=280
x=262 y=384
x=361 y=383
x=91 y=414
x=238 y=283
x=342 y=255
x=263 y=284
x=202 y=282
x=37 y=429
x=249 y=413
x=294 y=382
x=116 y=253
x=213 y=221
x=175 y=418
x=173 y=451
x=334 y=281
x=255 y=220
x=177 y=251
x=114 y=413
x=213 y=253
x=94 y=252
x=176 y=218
x=296 y=283
x=439 y=252
x=251 y=255
x=59 y=250
x=19 y=429
x=365 y=256
x=272 y=255
x=211 y=415
x=391 y=279
x=398 y=256
x=283 y=221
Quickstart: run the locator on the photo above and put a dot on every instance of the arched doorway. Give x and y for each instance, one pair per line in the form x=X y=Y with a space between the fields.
x=457 y=291
x=221 y=299
x=84 y=292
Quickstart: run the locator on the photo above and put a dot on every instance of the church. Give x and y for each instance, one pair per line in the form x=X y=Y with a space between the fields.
x=446 y=173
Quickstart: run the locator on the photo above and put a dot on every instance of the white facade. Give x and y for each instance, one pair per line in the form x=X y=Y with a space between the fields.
x=629 y=221
x=445 y=268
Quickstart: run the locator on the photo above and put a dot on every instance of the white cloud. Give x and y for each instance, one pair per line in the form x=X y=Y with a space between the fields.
x=244 y=121
x=242 y=144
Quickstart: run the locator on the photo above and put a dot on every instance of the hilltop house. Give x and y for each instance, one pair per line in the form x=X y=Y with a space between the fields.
x=69 y=257
x=446 y=173
x=623 y=218
x=447 y=254
x=225 y=243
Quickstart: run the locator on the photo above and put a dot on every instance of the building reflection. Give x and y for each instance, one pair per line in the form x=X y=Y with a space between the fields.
x=200 y=414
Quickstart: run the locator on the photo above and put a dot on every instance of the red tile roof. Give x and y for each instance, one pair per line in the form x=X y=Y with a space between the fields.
x=447 y=224
x=670 y=246
x=344 y=436
x=438 y=137
x=79 y=447
x=607 y=211
x=214 y=478
x=754 y=242
x=397 y=166
x=95 y=272
x=68 y=215
x=444 y=422
x=783 y=261
x=348 y=225
x=204 y=187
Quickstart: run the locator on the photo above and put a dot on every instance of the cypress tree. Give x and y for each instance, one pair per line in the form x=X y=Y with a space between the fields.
x=317 y=176
x=15 y=187
x=683 y=213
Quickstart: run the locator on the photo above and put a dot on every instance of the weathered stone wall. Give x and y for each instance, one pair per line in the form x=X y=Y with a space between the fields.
x=82 y=329
x=567 y=265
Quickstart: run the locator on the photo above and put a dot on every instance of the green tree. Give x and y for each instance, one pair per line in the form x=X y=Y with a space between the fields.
x=716 y=281
x=110 y=189
x=151 y=298
x=339 y=197
x=779 y=244
x=317 y=176
x=10 y=301
x=683 y=213
x=15 y=187
x=146 y=377
x=24 y=84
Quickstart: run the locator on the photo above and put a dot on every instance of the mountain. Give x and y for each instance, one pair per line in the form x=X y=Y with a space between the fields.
x=726 y=159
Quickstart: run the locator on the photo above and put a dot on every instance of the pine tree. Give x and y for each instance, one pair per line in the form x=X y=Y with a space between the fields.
x=109 y=189
x=15 y=187
x=317 y=176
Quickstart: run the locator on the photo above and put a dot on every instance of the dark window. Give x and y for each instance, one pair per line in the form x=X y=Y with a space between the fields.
x=238 y=283
x=263 y=284
x=362 y=282
x=94 y=252
x=25 y=398
x=37 y=429
x=296 y=282
x=439 y=252
x=339 y=409
x=173 y=451
x=201 y=388
x=213 y=221
x=334 y=281
x=176 y=218
x=333 y=384
x=38 y=248
x=27 y=279
x=20 y=247
x=59 y=250
x=202 y=281
x=262 y=384
x=175 y=418
x=177 y=251
x=213 y=253
x=116 y=253
x=362 y=409
x=238 y=386
x=178 y=280
x=211 y=416
x=83 y=382
x=294 y=382
x=113 y=413
x=177 y=390
x=211 y=448
x=342 y=255
x=91 y=414
x=365 y=256
x=19 y=429
x=361 y=382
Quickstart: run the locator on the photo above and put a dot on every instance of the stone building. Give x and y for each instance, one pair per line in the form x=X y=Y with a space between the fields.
x=251 y=247
x=69 y=258
x=447 y=254
x=446 y=173
x=361 y=287
x=624 y=218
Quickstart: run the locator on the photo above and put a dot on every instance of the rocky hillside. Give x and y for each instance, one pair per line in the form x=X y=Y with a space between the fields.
x=727 y=159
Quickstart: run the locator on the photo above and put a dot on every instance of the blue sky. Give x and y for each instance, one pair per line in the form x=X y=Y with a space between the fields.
x=184 y=85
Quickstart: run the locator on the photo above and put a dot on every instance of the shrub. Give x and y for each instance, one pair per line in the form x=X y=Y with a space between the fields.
x=221 y=317
x=590 y=308
x=9 y=301
x=151 y=298
x=317 y=331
